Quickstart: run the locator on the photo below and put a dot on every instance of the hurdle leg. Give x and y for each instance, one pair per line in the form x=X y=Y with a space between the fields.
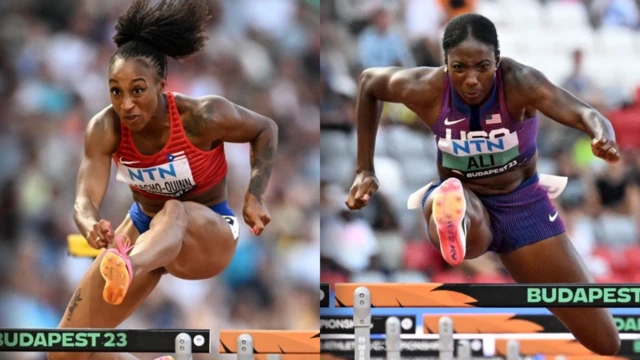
x=245 y=347
x=183 y=347
x=393 y=341
x=513 y=350
x=445 y=330
x=362 y=323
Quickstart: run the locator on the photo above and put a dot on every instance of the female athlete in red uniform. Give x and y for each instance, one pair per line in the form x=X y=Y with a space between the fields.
x=168 y=149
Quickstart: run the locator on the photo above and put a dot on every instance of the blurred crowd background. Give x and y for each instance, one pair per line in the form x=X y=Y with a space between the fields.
x=263 y=55
x=587 y=47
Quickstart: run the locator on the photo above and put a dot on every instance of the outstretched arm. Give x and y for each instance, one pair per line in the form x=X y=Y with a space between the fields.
x=92 y=181
x=561 y=106
x=233 y=123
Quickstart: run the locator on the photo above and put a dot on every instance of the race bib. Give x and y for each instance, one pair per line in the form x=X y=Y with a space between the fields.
x=478 y=151
x=171 y=179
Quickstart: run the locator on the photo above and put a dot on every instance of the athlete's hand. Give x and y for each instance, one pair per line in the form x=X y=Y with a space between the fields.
x=362 y=189
x=255 y=214
x=101 y=236
x=605 y=149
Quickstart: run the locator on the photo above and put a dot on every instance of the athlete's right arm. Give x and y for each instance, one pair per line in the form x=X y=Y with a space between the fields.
x=100 y=142
x=388 y=84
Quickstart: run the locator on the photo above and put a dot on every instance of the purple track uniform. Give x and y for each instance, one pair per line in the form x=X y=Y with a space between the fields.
x=481 y=141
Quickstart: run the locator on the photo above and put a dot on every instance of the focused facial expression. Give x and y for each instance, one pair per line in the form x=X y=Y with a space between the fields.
x=134 y=89
x=472 y=68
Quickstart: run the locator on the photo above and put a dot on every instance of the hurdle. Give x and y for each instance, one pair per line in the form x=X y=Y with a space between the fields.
x=288 y=344
x=393 y=341
x=79 y=247
x=365 y=296
x=493 y=295
x=182 y=343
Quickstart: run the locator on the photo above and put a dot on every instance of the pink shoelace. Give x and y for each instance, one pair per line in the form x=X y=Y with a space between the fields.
x=123 y=246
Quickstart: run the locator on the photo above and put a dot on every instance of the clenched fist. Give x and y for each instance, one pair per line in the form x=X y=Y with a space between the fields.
x=364 y=186
x=101 y=235
x=255 y=214
x=605 y=149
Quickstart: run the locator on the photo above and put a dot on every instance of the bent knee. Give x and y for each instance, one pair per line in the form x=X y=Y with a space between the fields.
x=607 y=345
x=174 y=210
x=173 y=207
x=605 y=342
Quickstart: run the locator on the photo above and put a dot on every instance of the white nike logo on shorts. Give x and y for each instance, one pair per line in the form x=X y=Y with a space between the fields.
x=447 y=122
x=553 y=217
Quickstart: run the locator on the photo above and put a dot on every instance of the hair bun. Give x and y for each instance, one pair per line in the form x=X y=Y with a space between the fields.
x=176 y=28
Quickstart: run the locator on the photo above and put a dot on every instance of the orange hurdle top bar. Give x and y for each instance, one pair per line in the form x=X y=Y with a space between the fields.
x=273 y=341
x=493 y=295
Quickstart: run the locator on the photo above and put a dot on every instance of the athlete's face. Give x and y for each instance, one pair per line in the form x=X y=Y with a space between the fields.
x=135 y=90
x=472 y=68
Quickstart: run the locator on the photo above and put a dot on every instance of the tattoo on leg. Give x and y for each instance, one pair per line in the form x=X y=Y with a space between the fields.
x=73 y=304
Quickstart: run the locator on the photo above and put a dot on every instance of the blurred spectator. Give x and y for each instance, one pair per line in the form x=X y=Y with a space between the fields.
x=423 y=19
x=381 y=44
x=580 y=84
x=53 y=63
x=613 y=13
x=453 y=8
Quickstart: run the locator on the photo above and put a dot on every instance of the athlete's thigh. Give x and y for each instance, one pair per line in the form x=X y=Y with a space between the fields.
x=208 y=246
x=555 y=260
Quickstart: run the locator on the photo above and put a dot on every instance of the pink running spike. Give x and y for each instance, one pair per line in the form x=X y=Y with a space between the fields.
x=448 y=216
x=116 y=270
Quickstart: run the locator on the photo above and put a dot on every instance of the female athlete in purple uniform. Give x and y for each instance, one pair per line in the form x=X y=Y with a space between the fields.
x=483 y=111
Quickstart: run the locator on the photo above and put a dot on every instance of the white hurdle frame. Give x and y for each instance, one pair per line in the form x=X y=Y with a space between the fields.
x=245 y=347
x=183 y=347
x=464 y=350
x=362 y=323
x=362 y=332
x=393 y=342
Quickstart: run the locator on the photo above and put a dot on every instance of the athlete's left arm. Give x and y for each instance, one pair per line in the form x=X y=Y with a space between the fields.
x=563 y=107
x=233 y=123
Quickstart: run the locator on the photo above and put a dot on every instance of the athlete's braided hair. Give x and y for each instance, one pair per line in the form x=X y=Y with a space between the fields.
x=467 y=26
x=171 y=28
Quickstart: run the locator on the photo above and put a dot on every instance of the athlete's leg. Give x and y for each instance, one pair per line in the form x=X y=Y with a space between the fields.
x=188 y=239
x=555 y=260
x=156 y=247
x=162 y=243
x=87 y=308
x=447 y=208
x=208 y=245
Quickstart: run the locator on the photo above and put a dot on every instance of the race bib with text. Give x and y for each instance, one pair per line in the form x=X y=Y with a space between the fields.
x=478 y=153
x=173 y=178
